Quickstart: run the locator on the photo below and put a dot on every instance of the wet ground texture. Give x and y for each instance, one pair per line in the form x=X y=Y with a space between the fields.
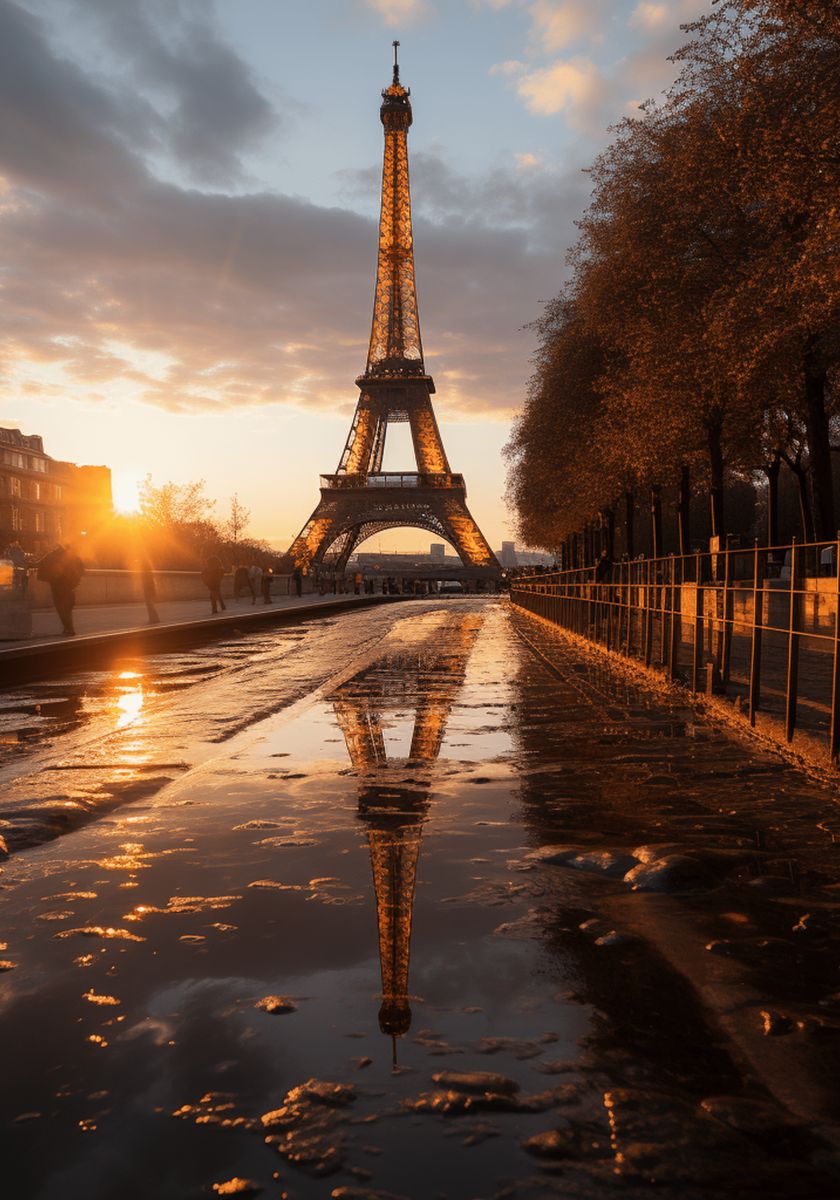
x=414 y=902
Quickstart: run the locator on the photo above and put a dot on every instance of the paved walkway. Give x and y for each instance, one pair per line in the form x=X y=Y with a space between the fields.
x=109 y=618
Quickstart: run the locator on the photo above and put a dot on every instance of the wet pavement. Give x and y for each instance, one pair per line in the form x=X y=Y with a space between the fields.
x=412 y=902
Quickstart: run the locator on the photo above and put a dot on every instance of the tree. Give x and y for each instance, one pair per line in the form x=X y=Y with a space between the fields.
x=175 y=504
x=770 y=68
x=707 y=273
x=237 y=522
x=555 y=477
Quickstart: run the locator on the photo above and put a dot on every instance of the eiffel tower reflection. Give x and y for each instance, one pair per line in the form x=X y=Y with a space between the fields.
x=394 y=793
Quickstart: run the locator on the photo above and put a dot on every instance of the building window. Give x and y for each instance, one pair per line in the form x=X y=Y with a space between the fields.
x=38 y=464
x=14 y=486
x=58 y=491
x=13 y=458
x=36 y=491
x=40 y=522
x=57 y=528
x=17 y=524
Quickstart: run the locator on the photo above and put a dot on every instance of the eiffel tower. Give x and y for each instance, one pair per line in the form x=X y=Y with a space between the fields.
x=359 y=500
x=394 y=792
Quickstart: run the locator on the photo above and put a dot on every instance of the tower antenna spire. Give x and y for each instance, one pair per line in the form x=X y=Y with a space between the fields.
x=396 y=46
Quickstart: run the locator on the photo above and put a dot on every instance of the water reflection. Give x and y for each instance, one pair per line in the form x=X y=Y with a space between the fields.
x=129 y=697
x=394 y=792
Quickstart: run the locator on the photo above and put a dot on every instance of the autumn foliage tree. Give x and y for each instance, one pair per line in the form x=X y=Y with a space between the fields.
x=699 y=329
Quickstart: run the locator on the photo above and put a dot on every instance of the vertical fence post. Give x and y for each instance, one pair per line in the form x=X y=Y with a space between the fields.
x=699 y=634
x=628 y=598
x=793 y=646
x=587 y=608
x=675 y=629
x=663 y=606
x=755 y=644
x=728 y=619
x=597 y=616
x=648 y=614
x=834 y=747
x=607 y=592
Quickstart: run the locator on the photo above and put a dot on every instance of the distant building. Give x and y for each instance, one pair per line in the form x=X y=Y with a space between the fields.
x=44 y=500
x=507 y=554
x=437 y=550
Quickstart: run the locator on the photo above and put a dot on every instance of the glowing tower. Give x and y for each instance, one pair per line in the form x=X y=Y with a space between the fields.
x=359 y=500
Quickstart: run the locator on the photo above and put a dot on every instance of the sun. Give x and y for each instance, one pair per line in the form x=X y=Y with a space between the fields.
x=125 y=489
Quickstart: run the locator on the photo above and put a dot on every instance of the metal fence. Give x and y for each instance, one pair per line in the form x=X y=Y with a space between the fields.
x=761 y=625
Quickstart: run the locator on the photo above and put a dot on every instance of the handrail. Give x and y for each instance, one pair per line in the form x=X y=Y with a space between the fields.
x=399 y=479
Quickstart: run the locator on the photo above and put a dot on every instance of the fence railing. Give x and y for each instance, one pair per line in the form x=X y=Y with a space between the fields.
x=761 y=625
x=410 y=479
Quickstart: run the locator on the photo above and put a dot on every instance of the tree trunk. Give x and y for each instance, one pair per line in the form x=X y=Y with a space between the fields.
x=806 y=515
x=684 y=510
x=772 y=473
x=656 y=521
x=819 y=451
x=609 y=543
x=716 y=484
x=629 y=515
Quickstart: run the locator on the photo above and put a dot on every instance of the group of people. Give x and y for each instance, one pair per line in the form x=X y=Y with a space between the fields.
x=62 y=569
x=250 y=581
x=371 y=585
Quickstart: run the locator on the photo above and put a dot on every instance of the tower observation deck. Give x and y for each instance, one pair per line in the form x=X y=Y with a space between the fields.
x=359 y=499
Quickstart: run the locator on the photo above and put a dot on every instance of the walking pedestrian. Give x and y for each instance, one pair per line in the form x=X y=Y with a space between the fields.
x=212 y=575
x=357 y=583
x=297 y=576
x=255 y=580
x=149 y=589
x=62 y=569
x=267 y=575
x=242 y=582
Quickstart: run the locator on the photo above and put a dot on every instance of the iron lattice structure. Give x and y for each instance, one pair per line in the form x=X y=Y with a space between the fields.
x=359 y=501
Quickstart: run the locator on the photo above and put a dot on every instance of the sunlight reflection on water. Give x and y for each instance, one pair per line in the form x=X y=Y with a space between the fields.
x=129 y=702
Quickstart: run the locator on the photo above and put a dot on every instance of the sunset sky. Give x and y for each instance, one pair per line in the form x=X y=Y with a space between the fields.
x=188 y=201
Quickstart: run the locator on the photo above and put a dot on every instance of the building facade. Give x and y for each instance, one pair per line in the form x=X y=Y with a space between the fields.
x=43 y=500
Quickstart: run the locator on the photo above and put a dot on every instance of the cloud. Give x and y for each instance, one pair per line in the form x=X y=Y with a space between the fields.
x=512 y=66
x=565 y=86
x=400 y=12
x=627 y=61
x=527 y=160
x=118 y=282
x=649 y=16
x=554 y=26
x=201 y=104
